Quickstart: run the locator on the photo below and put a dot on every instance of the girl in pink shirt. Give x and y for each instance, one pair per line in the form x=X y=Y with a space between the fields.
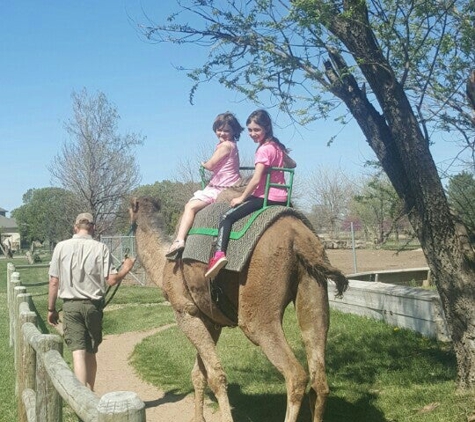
x=270 y=153
x=224 y=163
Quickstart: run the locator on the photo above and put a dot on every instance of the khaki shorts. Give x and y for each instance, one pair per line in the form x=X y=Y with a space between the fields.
x=82 y=324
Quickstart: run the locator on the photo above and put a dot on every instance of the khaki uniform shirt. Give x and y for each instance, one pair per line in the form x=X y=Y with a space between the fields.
x=81 y=264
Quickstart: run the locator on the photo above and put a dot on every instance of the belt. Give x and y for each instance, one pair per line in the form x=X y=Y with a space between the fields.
x=93 y=301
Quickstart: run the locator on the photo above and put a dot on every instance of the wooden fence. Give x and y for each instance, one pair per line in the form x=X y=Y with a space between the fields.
x=44 y=379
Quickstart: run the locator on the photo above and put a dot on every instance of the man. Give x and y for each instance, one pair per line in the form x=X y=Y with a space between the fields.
x=80 y=270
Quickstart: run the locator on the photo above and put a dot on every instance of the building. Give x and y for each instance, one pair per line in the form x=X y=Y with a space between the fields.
x=9 y=233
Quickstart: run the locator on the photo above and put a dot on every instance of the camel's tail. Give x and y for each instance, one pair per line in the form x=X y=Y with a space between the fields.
x=311 y=254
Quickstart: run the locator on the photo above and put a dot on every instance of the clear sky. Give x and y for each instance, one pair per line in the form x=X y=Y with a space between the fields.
x=51 y=48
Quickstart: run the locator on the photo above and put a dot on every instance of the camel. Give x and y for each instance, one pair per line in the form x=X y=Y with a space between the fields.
x=288 y=264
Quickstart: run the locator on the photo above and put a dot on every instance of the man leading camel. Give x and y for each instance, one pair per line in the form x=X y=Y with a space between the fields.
x=80 y=270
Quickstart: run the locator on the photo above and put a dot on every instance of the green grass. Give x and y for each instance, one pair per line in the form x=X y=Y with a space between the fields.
x=377 y=373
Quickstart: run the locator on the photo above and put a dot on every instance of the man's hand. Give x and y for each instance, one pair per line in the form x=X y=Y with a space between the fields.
x=53 y=317
x=125 y=267
x=128 y=264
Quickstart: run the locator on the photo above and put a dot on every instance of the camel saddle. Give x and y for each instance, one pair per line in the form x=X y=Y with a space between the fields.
x=244 y=235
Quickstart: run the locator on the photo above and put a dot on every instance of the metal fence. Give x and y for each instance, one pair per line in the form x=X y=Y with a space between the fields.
x=120 y=246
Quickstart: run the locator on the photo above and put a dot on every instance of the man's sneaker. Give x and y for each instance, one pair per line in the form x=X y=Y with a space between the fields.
x=215 y=264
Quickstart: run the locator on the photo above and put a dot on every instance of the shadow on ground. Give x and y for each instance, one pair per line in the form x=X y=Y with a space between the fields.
x=272 y=407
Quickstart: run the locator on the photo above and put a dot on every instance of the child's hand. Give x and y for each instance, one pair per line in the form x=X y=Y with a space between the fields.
x=237 y=201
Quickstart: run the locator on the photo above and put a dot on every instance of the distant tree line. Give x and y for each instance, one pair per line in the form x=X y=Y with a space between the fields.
x=334 y=203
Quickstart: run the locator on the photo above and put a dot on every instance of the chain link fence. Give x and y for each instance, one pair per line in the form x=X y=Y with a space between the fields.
x=120 y=246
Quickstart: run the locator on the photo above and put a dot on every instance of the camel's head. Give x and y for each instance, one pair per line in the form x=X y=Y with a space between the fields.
x=142 y=204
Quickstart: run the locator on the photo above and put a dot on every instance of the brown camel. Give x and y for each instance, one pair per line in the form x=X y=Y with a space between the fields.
x=288 y=264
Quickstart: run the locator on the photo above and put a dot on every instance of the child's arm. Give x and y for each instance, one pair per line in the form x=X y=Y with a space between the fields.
x=222 y=151
x=251 y=186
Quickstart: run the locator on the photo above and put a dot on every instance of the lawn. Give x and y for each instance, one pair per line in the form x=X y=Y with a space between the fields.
x=376 y=373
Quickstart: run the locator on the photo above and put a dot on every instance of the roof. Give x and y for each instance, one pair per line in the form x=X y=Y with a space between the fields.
x=7 y=223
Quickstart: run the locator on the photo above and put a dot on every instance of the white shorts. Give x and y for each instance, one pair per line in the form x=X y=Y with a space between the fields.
x=207 y=195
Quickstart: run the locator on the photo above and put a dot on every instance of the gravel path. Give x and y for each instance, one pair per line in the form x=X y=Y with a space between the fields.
x=116 y=374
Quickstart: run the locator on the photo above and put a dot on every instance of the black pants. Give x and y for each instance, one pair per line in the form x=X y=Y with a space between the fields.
x=234 y=214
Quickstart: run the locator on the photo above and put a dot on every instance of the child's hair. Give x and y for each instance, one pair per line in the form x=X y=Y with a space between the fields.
x=231 y=120
x=262 y=118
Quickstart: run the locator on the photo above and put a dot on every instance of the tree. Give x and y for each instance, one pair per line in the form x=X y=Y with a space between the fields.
x=330 y=193
x=379 y=208
x=97 y=163
x=45 y=215
x=400 y=69
x=461 y=193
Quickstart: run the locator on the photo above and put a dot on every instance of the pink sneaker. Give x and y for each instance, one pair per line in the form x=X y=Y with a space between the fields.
x=215 y=264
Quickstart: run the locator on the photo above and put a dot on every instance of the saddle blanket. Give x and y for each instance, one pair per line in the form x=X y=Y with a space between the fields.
x=244 y=235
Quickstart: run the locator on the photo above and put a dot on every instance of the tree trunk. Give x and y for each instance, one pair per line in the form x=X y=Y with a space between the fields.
x=397 y=140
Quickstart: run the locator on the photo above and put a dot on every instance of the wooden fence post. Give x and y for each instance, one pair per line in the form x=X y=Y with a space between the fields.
x=31 y=337
x=10 y=271
x=14 y=281
x=29 y=400
x=84 y=401
x=121 y=406
x=19 y=296
x=26 y=367
x=48 y=401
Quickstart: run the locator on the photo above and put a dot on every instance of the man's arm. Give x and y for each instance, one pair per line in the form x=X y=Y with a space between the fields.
x=127 y=265
x=52 y=296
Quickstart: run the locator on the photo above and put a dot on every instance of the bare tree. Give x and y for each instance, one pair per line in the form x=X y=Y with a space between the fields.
x=330 y=192
x=97 y=163
x=398 y=67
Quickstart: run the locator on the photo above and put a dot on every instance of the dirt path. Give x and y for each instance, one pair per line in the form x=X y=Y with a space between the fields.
x=115 y=373
x=375 y=259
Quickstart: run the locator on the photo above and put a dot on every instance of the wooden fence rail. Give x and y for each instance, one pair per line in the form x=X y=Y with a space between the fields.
x=44 y=379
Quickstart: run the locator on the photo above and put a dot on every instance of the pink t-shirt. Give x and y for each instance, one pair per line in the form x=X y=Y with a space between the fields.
x=271 y=155
x=226 y=172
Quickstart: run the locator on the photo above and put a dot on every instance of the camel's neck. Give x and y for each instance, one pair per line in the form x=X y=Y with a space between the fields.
x=152 y=244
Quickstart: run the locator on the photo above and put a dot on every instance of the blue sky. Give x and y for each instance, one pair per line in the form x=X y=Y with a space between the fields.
x=50 y=49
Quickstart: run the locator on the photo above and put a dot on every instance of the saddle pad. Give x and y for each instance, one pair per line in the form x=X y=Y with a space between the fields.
x=200 y=246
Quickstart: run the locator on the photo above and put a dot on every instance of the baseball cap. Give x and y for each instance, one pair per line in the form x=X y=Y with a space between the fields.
x=84 y=217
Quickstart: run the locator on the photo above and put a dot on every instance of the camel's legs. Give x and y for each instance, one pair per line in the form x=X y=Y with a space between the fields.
x=199 y=379
x=200 y=334
x=313 y=316
x=273 y=343
x=260 y=318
